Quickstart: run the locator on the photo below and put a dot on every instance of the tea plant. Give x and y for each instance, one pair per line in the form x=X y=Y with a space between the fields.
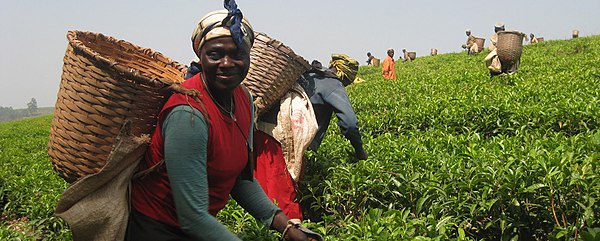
x=511 y=157
x=29 y=188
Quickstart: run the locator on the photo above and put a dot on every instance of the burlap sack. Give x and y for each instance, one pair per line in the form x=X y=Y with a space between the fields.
x=493 y=62
x=96 y=207
x=296 y=127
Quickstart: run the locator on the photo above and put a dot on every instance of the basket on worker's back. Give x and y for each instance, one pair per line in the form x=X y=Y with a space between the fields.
x=411 y=55
x=480 y=42
x=540 y=39
x=105 y=82
x=274 y=67
x=509 y=45
x=375 y=62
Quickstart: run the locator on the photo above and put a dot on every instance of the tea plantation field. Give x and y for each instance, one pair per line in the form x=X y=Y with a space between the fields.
x=453 y=155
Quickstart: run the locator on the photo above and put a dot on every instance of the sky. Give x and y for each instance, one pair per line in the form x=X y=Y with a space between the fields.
x=33 y=32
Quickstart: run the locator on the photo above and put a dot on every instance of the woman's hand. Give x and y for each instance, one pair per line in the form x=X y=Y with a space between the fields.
x=295 y=234
x=293 y=230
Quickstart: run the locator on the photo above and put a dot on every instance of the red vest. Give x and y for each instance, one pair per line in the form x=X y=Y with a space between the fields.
x=227 y=155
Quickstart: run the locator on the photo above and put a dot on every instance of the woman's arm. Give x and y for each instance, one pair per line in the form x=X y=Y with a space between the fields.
x=186 y=135
x=250 y=196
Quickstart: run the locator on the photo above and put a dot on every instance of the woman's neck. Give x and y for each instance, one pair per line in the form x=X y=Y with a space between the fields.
x=224 y=99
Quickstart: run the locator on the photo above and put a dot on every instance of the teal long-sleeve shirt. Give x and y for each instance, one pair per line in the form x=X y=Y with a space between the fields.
x=185 y=135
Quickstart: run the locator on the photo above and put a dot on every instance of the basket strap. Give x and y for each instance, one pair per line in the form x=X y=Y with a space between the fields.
x=144 y=173
x=247 y=171
x=188 y=93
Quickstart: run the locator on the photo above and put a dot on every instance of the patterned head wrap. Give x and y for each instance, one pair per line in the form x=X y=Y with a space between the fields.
x=499 y=26
x=223 y=23
x=345 y=67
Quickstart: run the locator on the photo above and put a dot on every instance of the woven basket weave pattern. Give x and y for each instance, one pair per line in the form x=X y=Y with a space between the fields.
x=480 y=42
x=274 y=68
x=509 y=45
x=104 y=83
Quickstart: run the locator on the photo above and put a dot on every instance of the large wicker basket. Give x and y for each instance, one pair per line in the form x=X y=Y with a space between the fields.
x=274 y=68
x=411 y=55
x=480 y=42
x=509 y=45
x=375 y=62
x=105 y=82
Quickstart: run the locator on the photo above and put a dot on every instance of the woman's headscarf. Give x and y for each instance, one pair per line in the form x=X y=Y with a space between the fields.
x=346 y=67
x=223 y=23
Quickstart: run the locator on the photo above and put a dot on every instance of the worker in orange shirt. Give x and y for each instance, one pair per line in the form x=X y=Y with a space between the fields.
x=388 y=69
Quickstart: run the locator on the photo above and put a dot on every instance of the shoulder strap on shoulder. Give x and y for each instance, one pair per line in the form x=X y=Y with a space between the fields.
x=247 y=173
x=160 y=164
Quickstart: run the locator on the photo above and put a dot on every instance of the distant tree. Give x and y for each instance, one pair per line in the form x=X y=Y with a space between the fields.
x=32 y=107
x=6 y=111
x=7 y=114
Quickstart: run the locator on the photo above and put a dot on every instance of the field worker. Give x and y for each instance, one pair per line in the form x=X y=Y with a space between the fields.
x=533 y=39
x=280 y=159
x=369 y=58
x=388 y=69
x=202 y=146
x=325 y=87
x=405 y=56
x=471 y=45
x=491 y=60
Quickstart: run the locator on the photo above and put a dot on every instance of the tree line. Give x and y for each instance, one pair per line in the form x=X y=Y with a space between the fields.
x=10 y=114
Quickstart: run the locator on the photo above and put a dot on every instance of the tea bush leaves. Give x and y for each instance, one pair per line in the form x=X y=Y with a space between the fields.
x=508 y=157
x=29 y=186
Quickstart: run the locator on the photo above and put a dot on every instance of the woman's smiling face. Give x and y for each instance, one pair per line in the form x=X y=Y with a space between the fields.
x=224 y=65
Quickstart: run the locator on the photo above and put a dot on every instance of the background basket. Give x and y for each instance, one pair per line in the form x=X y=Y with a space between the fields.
x=411 y=55
x=274 y=68
x=540 y=39
x=434 y=51
x=509 y=45
x=375 y=62
x=480 y=42
x=575 y=33
x=104 y=82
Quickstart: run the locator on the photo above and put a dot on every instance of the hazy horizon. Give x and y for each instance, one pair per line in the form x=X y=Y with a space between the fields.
x=33 y=39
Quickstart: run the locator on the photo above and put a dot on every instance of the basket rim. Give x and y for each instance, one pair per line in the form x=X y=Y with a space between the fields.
x=511 y=32
x=128 y=72
x=289 y=52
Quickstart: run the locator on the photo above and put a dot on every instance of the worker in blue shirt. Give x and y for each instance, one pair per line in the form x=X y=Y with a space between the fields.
x=325 y=87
